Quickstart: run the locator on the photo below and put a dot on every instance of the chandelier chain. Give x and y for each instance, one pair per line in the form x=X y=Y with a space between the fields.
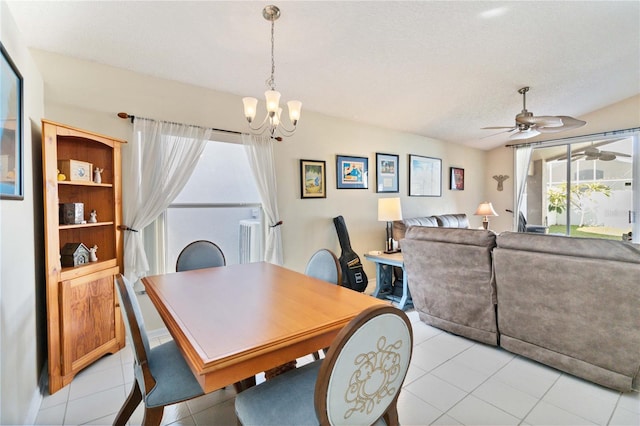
x=271 y=82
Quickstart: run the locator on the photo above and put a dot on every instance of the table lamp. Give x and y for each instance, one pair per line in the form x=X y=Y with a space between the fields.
x=389 y=209
x=485 y=209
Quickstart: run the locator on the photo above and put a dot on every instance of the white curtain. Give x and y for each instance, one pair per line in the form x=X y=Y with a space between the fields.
x=157 y=163
x=259 y=151
x=522 y=160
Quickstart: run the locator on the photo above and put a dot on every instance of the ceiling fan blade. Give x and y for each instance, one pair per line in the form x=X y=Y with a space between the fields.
x=499 y=133
x=499 y=127
x=591 y=157
x=618 y=154
x=568 y=123
x=591 y=151
x=524 y=134
x=541 y=121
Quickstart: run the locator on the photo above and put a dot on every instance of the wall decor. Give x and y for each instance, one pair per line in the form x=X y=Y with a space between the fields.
x=11 y=146
x=313 y=179
x=386 y=173
x=425 y=176
x=456 y=179
x=500 y=179
x=352 y=172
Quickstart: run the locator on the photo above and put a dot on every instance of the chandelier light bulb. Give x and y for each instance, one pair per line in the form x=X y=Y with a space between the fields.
x=250 y=106
x=273 y=101
x=294 y=111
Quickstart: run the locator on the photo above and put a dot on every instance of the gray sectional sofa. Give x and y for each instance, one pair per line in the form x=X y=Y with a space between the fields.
x=570 y=303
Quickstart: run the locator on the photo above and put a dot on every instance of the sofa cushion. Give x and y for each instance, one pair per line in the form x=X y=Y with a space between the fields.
x=400 y=226
x=451 y=279
x=453 y=220
x=593 y=248
x=571 y=303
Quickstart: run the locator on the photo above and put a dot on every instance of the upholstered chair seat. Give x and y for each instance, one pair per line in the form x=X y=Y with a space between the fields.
x=357 y=383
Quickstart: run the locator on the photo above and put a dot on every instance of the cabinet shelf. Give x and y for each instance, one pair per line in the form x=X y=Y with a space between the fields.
x=85 y=225
x=76 y=183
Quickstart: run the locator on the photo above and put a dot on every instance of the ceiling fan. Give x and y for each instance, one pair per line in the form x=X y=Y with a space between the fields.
x=593 y=153
x=529 y=125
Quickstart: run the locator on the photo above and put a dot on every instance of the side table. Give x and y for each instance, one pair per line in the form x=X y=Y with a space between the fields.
x=392 y=259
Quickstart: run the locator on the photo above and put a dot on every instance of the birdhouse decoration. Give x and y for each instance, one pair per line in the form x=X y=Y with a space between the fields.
x=74 y=254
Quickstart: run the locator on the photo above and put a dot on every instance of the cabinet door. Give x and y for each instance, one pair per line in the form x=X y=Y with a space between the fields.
x=88 y=319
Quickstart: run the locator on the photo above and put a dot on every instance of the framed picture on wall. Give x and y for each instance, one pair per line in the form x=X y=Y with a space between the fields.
x=313 y=179
x=352 y=172
x=11 y=146
x=425 y=176
x=386 y=173
x=456 y=179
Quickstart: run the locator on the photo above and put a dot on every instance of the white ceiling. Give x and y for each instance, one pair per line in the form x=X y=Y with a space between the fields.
x=439 y=69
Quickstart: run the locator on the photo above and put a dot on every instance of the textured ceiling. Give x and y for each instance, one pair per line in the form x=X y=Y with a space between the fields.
x=439 y=69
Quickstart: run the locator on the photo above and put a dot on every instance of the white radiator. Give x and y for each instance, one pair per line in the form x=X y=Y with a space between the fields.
x=250 y=246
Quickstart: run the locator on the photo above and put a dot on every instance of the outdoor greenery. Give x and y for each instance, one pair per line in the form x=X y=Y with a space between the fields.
x=580 y=194
x=576 y=232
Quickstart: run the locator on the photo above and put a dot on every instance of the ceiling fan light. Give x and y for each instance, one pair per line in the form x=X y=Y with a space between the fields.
x=525 y=134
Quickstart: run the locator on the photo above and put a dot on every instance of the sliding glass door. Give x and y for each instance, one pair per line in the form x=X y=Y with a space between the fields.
x=586 y=188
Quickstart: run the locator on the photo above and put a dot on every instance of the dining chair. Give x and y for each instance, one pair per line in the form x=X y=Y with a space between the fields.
x=324 y=265
x=357 y=383
x=162 y=376
x=200 y=254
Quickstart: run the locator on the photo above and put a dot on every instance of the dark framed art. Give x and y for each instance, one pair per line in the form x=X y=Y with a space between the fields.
x=352 y=172
x=386 y=173
x=425 y=176
x=11 y=146
x=313 y=179
x=456 y=179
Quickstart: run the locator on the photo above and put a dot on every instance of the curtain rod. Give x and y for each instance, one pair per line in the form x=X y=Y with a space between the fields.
x=592 y=135
x=126 y=116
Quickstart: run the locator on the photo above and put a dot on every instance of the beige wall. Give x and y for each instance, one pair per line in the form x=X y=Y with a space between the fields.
x=621 y=115
x=22 y=350
x=89 y=95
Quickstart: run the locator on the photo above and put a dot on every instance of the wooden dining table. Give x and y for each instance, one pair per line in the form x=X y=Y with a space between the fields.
x=232 y=322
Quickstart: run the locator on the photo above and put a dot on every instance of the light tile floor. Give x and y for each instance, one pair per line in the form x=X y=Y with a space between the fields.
x=451 y=381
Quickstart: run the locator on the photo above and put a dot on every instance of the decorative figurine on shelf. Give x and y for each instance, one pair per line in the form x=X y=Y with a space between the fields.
x=97 y=176
x=93 y=217
x=92 y=254
x=61 y=176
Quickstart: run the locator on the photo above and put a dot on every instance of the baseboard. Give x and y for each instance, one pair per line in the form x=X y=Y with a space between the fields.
x=36 y=399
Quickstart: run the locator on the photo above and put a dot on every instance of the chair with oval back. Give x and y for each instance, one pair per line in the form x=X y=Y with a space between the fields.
x=324 y=265
x=162 y=376
x=200 y=254
x=358 y=382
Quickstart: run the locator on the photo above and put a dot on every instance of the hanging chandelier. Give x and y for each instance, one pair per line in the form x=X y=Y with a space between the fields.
x=272 y=122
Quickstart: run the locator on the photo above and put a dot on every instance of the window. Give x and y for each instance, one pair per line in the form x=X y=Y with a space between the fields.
x=220 y=193
x=584 y=187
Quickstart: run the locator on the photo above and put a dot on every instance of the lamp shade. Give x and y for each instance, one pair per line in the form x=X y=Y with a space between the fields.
x=389 y=209
x=485 y=209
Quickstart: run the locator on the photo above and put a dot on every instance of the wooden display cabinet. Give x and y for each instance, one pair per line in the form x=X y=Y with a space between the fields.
x=83 y=313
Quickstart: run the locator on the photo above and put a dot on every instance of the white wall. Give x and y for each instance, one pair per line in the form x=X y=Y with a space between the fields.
x=21 y=271
x=88 y=95
x=621 y=115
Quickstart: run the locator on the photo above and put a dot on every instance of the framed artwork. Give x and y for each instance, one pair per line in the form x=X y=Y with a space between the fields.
x=456 y=177
x=11 y=149
x=352 y=172
x=386 y=173
x=313 y=179
x=425 y=176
